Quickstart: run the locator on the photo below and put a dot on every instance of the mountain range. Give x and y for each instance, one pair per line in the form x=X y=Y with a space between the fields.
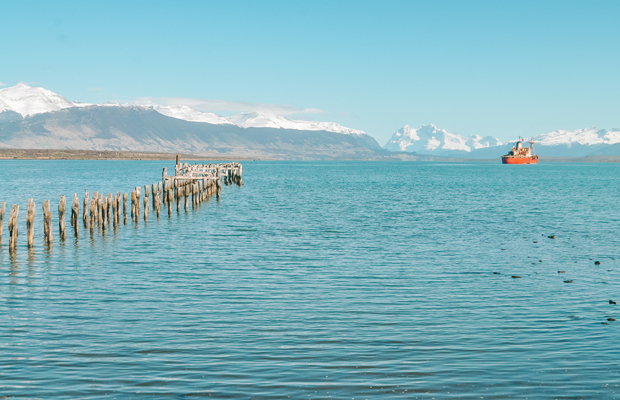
x=428 y=139
x=37 y=118
x=32 y=117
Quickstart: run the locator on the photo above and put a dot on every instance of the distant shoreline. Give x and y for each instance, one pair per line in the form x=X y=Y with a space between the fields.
x=63 y=154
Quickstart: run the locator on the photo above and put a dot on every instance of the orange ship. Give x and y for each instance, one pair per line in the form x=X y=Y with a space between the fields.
x=521 y=155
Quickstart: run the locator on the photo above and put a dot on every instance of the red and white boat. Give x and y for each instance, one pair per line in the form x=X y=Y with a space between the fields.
x=520 y=154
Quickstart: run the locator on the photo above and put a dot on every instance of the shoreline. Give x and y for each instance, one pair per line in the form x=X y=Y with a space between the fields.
x=64 y=154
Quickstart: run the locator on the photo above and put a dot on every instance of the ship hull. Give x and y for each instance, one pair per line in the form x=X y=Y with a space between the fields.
x=520 y=160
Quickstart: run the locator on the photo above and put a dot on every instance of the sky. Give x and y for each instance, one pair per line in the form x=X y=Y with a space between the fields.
x=498 y=68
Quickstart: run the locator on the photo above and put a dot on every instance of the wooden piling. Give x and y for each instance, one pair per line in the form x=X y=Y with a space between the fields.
x=75 y=214
x=30 y=222
x=104 y=216
x=133 y=205
x=93 y=213
x=125 y=208
x=47 y=223
x=85 y=210
x=99 y=209
x=154 y=193
x=2 y=209
x=62 y=207
x=13 y=227
x=186 y=190
x=169 y=202
x=146 y=207
x=108 y=212
x=138 y=205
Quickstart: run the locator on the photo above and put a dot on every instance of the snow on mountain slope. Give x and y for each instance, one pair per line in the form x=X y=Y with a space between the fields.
x=585 y=137
x=27 y=101
x=269 y=120
x=428 y=139
x=189 y=114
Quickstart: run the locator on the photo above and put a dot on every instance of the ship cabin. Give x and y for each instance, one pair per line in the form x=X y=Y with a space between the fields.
x=519 y=151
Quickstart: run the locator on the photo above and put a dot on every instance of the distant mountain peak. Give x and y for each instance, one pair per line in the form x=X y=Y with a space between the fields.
x=429 y=139
x=26 y=100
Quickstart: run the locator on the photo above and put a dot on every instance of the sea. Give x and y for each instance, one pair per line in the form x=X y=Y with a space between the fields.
x=320 y=280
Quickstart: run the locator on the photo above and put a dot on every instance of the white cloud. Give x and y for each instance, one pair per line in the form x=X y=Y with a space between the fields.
x=2 y=84
x=210 y=105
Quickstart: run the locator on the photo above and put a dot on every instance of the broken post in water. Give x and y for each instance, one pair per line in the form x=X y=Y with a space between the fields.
x=2 y=209
x=30 y=223
x=200 y=181
x=13 y=227
x=62 y=207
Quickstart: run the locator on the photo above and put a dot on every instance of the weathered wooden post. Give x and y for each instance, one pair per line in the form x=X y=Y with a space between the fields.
x=99 y=209
x=146 y=207
x=30 y=222
x=109 y=208
x=93 y=213
x=186 y=197
x=178 y=189
x=62 y=207
x=158 y=204
x=47 y=223
x=96 y=197
x=86 y=204
x=154 y=193
x=13 y=227
x=104 y=209
x=125 y=208
x=133 y=205
x=75 y=215
x=2 y=209
x=138 y=206
x=169 y=202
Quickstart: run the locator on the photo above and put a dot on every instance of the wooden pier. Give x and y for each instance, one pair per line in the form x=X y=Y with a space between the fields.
x=191 y=184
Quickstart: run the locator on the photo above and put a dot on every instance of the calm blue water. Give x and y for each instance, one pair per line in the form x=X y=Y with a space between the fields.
x=321 y=280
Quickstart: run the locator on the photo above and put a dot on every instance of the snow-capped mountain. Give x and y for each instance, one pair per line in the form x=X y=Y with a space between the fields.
x=187 y=113
x=36 y=118
x=28 y=101
x=269 y=120
x=585 y=137
x=428 y=139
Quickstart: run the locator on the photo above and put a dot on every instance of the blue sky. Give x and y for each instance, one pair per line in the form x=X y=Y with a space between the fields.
x=496 y=68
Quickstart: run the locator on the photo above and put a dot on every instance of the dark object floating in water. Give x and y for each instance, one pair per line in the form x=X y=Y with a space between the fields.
x=539 y=260
x=561 y=272
x=570 y=281
x=535 y=241
x=604 y=323
x=612 y=302
x=551 y=237
x=495 y=273
x=503 y=249
x=597 y=263
x=516 y=276
x=611 y=319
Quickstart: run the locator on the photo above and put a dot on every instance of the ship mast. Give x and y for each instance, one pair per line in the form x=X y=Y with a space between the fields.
x=532 y=145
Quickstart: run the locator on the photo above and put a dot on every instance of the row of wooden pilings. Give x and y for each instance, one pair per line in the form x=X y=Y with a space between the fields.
x=195 y=183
